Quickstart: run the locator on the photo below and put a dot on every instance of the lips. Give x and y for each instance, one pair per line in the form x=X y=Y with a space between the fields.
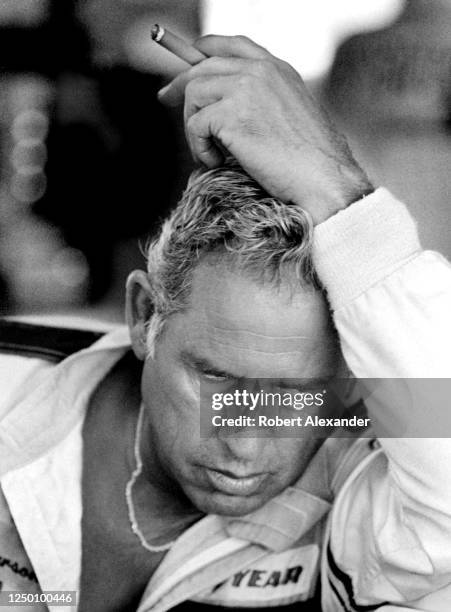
x=231 y=484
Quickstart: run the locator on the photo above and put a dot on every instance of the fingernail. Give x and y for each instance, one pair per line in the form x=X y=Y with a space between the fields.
x=163 y=91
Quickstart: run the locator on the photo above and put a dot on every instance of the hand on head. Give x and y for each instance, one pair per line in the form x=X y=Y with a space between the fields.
x=257 y=107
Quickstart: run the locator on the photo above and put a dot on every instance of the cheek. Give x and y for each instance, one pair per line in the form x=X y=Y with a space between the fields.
x=294 y=456
x=171 y=399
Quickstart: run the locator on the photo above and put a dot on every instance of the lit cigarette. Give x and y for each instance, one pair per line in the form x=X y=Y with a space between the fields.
x=176 y=45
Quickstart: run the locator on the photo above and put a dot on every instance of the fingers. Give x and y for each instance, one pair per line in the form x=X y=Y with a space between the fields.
x=200 y=130
x=231 y=46
x=206 y=90
x=173 y=93
x=226 y=55
x=204 y=112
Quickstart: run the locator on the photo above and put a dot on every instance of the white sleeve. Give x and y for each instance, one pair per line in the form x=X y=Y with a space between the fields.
x=391 y=527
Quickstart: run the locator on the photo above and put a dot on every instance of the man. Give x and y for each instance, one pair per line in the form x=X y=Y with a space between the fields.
x=106 y=482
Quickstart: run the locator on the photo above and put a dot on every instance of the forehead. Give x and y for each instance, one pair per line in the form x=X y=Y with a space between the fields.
x=249 y=329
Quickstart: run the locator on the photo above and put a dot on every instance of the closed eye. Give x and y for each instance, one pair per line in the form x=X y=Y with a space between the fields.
x=216 y=376
x=205 y=369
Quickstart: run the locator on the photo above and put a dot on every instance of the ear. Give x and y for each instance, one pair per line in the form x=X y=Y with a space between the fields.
x=138 y=310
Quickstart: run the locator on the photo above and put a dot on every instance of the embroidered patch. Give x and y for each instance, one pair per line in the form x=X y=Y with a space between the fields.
x=277 y=579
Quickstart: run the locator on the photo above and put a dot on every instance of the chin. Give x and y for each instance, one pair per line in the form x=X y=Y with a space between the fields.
x=226 y=505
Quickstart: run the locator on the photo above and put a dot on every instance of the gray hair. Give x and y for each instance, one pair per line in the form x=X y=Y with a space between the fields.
x=224 y=212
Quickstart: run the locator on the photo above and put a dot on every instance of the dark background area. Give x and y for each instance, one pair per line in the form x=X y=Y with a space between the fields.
x=90 y=161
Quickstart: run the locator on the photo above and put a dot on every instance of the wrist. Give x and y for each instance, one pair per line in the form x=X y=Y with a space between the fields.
x=333 y=194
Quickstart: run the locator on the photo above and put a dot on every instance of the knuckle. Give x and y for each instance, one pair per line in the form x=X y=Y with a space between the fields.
x=195 y=86
x=240 y=38
x=287 y=71
x=260 y=67
x=191 y=124
x=190 y=88
x=236 y=113
x=212 y=63
x=205 y=37
x=263 y=67
x=226 y=119
x=285 y=67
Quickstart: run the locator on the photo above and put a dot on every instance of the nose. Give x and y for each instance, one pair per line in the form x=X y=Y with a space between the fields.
x=244 y=445
x=242 y=441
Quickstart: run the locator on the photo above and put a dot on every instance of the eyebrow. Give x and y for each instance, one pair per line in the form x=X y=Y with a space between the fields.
x=300 y=384
x=201 y=363
x=304 y=384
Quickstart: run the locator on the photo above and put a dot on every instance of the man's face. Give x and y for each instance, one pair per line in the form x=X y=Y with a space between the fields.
x=233 y=329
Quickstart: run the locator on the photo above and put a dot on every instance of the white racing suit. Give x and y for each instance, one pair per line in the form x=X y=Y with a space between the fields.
x=370 y=518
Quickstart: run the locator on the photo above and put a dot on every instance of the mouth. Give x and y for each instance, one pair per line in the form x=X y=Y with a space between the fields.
x=232 y=484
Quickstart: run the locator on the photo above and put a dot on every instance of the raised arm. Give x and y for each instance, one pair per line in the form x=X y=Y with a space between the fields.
x=391 y=304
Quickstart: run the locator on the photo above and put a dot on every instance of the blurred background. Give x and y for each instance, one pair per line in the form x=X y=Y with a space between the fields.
x=90 y=161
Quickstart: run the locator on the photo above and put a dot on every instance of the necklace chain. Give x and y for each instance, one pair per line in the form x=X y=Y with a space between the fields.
x=129 y=490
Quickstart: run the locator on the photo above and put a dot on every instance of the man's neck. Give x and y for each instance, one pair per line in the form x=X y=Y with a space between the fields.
x=155 y=490
x=161 y=509
x=116 y=566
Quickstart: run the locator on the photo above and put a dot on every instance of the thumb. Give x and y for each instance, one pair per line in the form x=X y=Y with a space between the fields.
x=230 y=46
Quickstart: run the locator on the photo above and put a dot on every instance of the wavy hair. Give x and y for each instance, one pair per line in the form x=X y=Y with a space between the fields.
x=224 y=212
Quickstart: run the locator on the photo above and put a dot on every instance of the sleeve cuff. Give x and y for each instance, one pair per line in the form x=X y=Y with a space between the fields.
x=361 y=245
